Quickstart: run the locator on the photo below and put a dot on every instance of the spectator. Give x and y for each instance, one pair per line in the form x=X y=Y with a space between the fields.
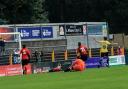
x=82 y=51
x=41 y=55
x=2 y=46
x=36 y=55
x=120 y=50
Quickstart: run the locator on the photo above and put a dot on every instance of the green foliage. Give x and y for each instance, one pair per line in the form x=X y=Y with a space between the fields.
x=112 y=11
x=39 y=15
x=24 y=11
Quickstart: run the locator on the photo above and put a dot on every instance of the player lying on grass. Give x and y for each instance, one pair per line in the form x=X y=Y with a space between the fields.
x=77 y=65
x=56 y=69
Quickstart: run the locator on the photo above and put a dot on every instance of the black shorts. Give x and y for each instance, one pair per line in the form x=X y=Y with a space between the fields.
x=2 y=48
x=84 y=57
x=101 y=60
x=105 y=54
x=25 y=62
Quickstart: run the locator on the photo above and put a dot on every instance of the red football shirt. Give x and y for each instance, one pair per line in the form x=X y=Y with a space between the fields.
x=25 y=52
x=82 y=50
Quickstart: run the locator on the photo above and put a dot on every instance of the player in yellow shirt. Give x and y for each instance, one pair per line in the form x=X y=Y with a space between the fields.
x=104 y=46
x=104 y=49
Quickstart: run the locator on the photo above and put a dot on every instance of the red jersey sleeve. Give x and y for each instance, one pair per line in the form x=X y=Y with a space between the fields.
x=28 y=52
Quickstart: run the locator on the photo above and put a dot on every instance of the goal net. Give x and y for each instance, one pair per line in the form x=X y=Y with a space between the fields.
x=12 y=41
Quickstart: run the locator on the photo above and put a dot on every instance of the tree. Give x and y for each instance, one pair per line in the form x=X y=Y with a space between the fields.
x=24 y=11
x=39 y=14
x=112 y=11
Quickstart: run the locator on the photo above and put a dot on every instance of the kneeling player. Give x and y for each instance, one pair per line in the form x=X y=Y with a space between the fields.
x=77 y=65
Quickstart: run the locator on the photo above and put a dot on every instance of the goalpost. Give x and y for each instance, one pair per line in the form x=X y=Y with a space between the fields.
x=12 y=44
x=16 y=38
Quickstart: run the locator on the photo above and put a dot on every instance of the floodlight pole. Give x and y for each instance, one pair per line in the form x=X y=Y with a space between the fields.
x=87 y=35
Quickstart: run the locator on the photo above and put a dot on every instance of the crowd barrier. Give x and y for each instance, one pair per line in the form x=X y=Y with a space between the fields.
x=52 y=56
x=47 y=60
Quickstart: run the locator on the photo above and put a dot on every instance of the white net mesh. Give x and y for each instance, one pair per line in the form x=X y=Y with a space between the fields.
x=12 y=41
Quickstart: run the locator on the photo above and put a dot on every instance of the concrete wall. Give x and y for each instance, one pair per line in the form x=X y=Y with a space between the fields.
x=121 y=39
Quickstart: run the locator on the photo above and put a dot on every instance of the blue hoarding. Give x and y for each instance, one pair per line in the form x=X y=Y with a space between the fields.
x=96 y=62
x=36 y=32
x=47 y=32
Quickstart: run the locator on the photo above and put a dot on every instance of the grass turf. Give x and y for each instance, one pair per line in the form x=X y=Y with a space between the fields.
x=104 y=78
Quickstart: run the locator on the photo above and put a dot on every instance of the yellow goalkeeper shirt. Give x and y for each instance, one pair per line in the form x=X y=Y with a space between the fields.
x=104 y=46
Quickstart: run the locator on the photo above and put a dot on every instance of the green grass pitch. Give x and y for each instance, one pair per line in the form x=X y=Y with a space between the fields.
x=115 y=77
